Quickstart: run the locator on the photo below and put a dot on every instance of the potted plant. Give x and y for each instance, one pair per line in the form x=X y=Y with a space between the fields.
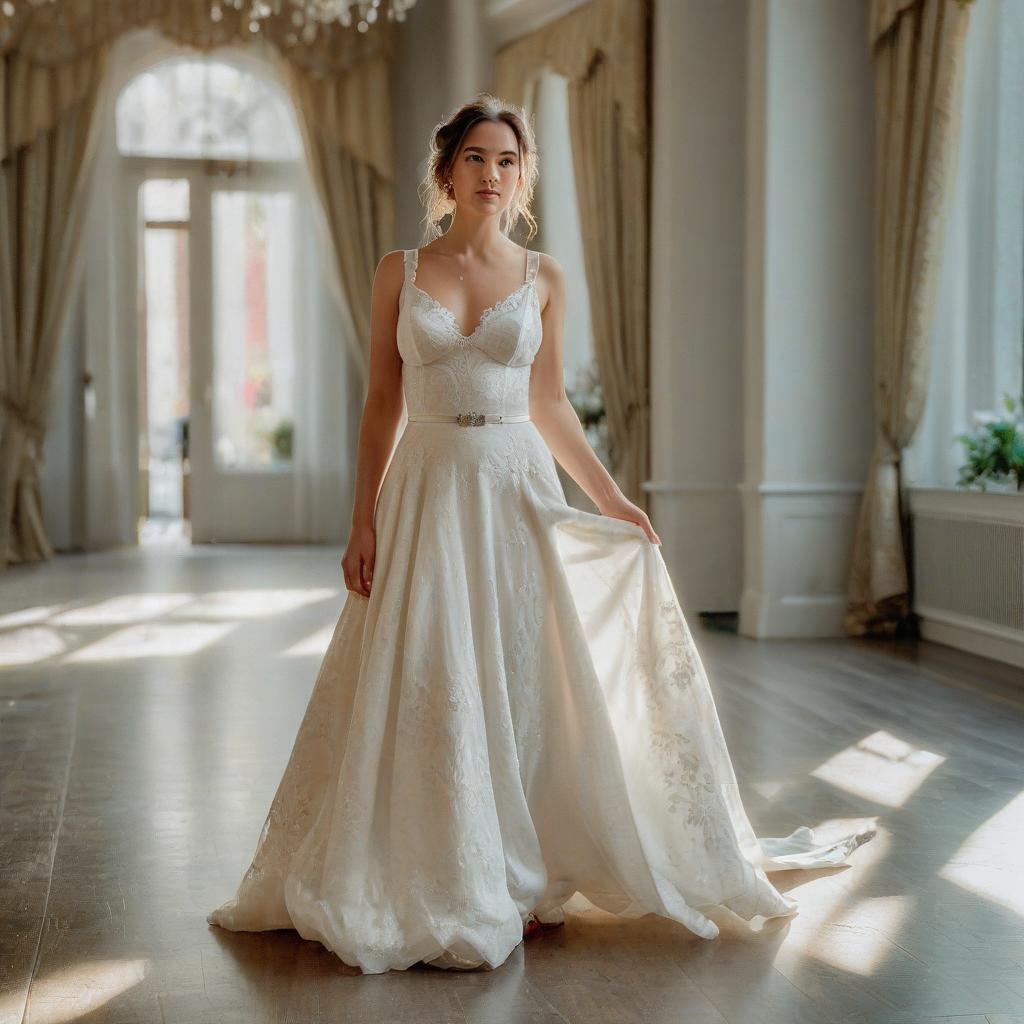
x=281 y=440
x=995 y=448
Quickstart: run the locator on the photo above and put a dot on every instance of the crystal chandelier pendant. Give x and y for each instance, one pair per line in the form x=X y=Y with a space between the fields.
x=304 y=16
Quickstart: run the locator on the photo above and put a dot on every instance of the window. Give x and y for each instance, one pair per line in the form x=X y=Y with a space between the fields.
x=190 y=107
x=977 y=334
x=194 y=117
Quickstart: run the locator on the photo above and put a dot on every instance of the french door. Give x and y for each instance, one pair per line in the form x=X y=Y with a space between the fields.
x=242 y=323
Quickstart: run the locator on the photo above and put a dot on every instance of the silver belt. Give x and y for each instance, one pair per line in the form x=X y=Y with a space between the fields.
x=467 y=419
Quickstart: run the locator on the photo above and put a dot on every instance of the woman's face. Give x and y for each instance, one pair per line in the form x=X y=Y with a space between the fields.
x=485 y=174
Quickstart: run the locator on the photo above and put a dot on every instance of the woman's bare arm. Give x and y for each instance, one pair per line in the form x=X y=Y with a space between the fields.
x=556 y=419
x=382 y=412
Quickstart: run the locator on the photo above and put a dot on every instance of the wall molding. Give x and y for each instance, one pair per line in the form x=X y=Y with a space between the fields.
x=798 y=539
x=976 y=506
x=973 y=635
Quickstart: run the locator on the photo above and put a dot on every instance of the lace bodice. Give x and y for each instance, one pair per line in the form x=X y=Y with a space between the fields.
x=446 y=371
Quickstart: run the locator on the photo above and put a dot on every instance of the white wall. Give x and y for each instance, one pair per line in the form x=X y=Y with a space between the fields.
x=697 y=240
x=808 y=344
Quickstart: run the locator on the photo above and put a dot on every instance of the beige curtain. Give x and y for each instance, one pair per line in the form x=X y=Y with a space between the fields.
x=602 y=48
x=917 y=48
x=357 y=191
x=42 y=154
x=51 y=68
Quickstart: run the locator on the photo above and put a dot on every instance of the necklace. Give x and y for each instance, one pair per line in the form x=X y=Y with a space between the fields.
x=461 y=274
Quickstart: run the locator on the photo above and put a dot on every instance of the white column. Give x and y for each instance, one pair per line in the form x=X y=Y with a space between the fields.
x=808 y=344
x=444 y=58
x=697 y=239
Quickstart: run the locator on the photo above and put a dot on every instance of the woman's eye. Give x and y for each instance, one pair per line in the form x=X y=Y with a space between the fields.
x=504 y=160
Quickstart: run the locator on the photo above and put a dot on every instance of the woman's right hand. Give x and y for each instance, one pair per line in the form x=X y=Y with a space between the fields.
x=357 y=562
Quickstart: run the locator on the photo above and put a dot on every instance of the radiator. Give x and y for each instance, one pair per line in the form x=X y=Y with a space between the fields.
x=968 y=564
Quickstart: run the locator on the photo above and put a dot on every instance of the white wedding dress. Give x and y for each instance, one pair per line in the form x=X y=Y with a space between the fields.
x=516 y=714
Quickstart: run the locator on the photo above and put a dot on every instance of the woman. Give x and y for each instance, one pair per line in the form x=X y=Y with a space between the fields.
x=511 y=709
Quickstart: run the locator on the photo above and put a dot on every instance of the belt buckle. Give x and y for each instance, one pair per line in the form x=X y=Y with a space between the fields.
x=471 y=419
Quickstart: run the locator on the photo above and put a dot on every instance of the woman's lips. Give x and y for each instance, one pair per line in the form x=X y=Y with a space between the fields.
x=486 y=192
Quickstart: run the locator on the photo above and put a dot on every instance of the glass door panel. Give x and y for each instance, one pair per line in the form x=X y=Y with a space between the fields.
x=165 y=355
x=253 y=330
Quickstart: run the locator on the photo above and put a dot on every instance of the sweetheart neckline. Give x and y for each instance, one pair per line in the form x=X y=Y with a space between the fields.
x=453 y=320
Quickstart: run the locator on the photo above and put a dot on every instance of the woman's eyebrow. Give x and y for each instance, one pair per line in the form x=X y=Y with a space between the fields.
x=480 y=149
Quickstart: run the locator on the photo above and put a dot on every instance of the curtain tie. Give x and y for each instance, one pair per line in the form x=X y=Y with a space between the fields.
x=18 y=411
x=885 y=451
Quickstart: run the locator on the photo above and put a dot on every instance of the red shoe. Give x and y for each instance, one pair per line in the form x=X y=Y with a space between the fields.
x=534 y=924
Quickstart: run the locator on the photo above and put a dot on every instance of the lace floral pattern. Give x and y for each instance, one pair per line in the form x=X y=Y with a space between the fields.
x=446 y=371
x=518 y=712
x=448 y=317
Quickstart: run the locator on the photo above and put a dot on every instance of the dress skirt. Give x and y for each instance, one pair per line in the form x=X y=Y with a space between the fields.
x=516 y=714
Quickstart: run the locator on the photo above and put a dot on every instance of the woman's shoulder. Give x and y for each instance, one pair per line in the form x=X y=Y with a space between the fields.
x=546 y=259
x=548 y=267
x=391 y=264
x=394 y=256
x=389 y=277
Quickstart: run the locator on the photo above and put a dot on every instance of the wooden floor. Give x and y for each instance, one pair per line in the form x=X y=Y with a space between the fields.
x=148 y=702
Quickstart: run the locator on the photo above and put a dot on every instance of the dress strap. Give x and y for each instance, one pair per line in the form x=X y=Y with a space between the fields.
x=411 y=259
x=532 y=263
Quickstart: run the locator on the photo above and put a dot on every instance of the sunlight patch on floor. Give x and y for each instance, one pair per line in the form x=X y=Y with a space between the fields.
x=252 y=604
x=856 y=941
x=117 y=611
x=75 y=992
x=988 y=862
x=768 y=789
x=29 y=645
x=154 y=640
x=28 y=616
x=881 y=767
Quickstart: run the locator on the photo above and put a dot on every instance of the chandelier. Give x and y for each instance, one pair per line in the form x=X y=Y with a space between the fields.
x=304 y=16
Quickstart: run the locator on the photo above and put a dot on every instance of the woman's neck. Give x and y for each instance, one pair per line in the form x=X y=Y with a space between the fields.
x=473 y=239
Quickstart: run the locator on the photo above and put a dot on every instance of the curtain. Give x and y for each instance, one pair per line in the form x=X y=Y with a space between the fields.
x=356 y=192
x=917 y=48
x=603 y=49
x=43 y=149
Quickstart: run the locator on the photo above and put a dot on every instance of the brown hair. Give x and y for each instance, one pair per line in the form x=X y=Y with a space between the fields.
x=446 y=141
